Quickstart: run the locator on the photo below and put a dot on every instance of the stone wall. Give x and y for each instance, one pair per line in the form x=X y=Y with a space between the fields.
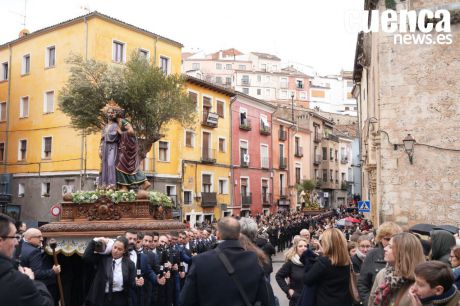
x=419 y=94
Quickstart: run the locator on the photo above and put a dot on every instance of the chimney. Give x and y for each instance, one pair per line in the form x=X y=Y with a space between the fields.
x=23 y=32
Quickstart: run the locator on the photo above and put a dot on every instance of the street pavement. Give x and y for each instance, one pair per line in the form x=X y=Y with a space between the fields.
x=278 y=261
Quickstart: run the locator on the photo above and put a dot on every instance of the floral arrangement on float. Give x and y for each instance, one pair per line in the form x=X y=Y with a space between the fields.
x=116 y=196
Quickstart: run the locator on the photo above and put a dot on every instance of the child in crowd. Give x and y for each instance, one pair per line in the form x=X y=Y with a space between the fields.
x=434 y=285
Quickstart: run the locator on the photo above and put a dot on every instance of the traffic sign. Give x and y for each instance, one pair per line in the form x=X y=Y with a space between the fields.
x=364 y=206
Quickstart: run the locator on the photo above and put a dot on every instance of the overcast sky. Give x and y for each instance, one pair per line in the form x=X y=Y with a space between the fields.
x=308 y=32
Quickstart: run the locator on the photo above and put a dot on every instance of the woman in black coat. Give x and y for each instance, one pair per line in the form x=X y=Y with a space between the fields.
x=105 y=289
x=293 y=270
x=331 y=272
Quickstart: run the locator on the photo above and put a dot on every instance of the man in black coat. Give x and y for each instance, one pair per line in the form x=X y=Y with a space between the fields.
x=209 y=284
x=17 y=287
x=33 y=257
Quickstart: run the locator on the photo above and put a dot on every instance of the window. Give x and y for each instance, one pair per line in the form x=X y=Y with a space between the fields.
x=336 y=155
x=163 y=151
x=25 y=64
x=189 y=139
x=46 y=147
x=244 y=187
x=267 y=92
x=22 y=150
x=265 y=162
x=324 y=153
x=246 y=90
x=324 y=175
x=263 y=67
x=228 y=81
x=164 y=65
x=50 y=60
x=284 y=83
x=228 y=66
x=347 y=108
x=4 y=71
x=187 y=197
x=193 y=96
x=48 y=104
x=244 y=154
x=259 y=91
x=220 y=108
x=259 y=78
x=2 y=151
x=118 y=52
x=299 y=84
x=242 y=67
x=331 y=154
x=3 y=111
x=21 y=190
x=144 y=53
x=297 y=174
x=46 y=187
x=219 y=80
x=267 y=78
x=218 y=66
x=171 y=193
x=24 y=107
x=245 y=80
x=330 y=175
x=206 y=180
x=223 y=183
x=336 y=176
x=222 y=145
x=302 y=95
x=282 y=191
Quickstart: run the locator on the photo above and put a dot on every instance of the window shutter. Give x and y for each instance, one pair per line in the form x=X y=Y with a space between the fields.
x=193 y=96
x=220 y=109
x=206 y=179
x=48 y=144
x=207 y=102
x=23 y=145
x=163 y=145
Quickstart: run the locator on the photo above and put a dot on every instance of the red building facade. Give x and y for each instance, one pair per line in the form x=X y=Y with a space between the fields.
x=252 y=177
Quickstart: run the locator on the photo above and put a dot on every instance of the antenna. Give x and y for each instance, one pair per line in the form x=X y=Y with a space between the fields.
x=24 y=16
x=86 y=8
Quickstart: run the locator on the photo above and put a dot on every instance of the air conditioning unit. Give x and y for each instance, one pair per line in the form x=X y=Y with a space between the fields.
x=68 y=189
x=246 y=158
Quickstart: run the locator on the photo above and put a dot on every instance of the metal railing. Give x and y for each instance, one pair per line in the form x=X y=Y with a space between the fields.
x=245 y=124
x=298 y=151
x=208 y=155
x=246 y=199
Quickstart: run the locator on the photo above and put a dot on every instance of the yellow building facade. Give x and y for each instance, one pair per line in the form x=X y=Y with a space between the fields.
x=206 y=154
x=43 y=154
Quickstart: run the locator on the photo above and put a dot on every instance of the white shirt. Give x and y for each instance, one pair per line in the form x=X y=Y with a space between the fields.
x=117 y=277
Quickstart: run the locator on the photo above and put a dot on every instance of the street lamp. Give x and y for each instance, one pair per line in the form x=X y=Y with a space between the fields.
x=292 y=106
x=409 y=142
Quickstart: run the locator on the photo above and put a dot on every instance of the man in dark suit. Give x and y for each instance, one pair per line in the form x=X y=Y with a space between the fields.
x=208 y=282
x=33 y=257
x=17 y=287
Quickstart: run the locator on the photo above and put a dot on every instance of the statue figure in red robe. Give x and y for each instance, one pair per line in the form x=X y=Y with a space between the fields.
x=119 y=153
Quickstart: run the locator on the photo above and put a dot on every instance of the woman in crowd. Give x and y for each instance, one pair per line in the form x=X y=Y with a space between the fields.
x=374 y=262
x=441 y=243
x=391 y=287
x=455 y=263
x=351 y=248
x=115 y=274
x=330 y=273
x=364 y=246
x=293 y=270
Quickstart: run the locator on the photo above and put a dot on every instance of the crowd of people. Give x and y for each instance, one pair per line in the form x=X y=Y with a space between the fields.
x=230 y=263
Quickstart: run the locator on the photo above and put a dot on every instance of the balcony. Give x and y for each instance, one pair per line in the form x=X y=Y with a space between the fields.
x=265 y=130
x=282 y=135
x=344 y=160
x=244 y=160
x=318 y=138
x=317 y=160
x=246 y=199
x=266 y=199
x=245 y=124
x=208 y=156
x=210 y=120
x=283 y=193
x=265 y=163
x=344 y=185
x=298 y=151
x=333 y=137
x=208 y=199
x=283 y=163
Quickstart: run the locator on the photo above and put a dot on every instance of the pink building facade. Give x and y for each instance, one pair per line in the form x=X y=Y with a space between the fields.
x=252 y=181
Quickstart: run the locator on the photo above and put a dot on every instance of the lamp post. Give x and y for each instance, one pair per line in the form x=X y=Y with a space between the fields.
x=292 y=106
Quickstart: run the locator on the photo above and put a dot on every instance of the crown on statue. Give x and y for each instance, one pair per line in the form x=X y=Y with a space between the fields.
x=113 y=106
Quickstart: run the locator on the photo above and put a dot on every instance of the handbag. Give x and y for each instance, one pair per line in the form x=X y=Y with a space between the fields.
x=353 y=286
